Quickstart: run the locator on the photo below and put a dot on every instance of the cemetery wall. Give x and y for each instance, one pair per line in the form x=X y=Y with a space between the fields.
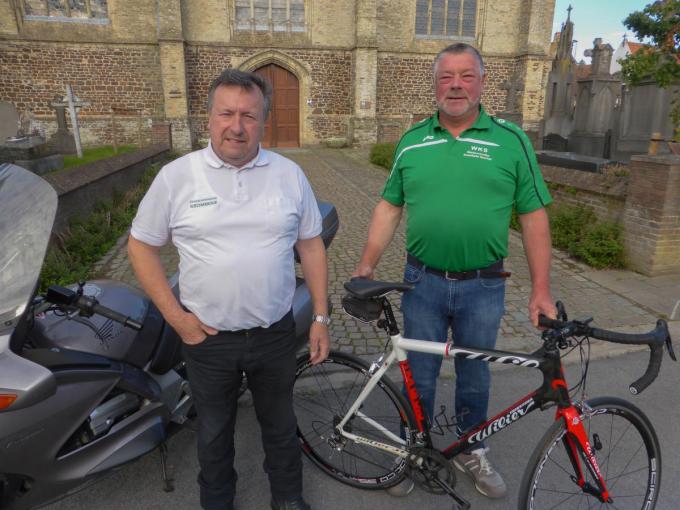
x=643 y=198
x=81 y=188
x=605 y=194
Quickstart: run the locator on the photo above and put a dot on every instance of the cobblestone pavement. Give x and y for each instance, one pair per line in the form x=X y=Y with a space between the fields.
x=346 y=179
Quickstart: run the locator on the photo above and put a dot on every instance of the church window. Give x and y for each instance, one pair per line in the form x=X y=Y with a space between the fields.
x=270 y=15
x=92 y=11
x=446 y=18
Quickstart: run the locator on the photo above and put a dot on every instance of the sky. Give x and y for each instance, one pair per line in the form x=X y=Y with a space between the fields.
x=596 y=18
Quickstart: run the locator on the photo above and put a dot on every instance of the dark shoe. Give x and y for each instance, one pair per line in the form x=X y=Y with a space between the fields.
x=290 y=504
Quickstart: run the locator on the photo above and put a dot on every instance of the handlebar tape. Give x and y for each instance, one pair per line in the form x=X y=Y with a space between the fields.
x=653 y=339
x=652 y=372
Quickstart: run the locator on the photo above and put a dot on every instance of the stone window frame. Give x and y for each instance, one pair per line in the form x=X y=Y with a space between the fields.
x=267 y=24
x=463 y=32
x=69 y=17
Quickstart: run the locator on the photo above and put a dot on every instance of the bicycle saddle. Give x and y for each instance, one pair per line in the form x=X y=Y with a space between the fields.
x=364 y=288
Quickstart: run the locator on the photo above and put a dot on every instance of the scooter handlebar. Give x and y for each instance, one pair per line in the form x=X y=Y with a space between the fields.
x=89 y=306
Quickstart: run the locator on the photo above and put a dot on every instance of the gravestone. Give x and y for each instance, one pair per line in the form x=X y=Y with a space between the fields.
x=512 y=112
x=28 y=150
x=62 y=141
x=9 y=119
x=555 y=142
x=572 y=160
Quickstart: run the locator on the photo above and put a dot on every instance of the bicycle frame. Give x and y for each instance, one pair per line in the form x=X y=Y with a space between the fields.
x=553 y=390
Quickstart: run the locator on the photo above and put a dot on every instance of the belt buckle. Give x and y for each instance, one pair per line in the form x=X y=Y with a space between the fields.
x=451 y=278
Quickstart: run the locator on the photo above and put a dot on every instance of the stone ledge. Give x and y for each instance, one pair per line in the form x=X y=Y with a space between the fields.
x=81 y=188
x=608 y=185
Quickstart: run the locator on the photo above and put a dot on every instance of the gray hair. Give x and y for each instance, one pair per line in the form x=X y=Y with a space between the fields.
x=457 y=49
x=245 y=80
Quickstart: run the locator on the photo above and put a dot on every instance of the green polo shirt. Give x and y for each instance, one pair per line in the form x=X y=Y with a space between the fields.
x=459 y=191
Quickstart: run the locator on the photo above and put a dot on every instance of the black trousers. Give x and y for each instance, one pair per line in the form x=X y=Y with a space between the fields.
x=267 y=356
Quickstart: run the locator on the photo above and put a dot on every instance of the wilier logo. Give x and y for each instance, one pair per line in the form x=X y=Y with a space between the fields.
x=202 y=202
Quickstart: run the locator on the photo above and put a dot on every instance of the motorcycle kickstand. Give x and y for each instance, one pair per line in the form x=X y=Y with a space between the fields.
x=459 y=502
x=167 y=481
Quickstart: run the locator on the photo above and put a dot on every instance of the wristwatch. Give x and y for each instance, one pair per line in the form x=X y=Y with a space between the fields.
x=323 y=319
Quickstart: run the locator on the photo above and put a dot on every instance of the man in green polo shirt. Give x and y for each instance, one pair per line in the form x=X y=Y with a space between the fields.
x=460 y=173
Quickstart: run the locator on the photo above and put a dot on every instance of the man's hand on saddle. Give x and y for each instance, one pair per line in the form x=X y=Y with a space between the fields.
x=364 y=271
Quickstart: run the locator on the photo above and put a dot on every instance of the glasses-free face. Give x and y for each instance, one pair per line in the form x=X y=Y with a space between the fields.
x=458 y=84
x=236 y=123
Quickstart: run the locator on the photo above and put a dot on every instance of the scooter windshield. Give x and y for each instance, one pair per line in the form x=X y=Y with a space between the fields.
x=27 y=208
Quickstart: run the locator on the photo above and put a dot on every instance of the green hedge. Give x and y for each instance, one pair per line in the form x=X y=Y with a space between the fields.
x=578 y=231
x=382 y=154
x=71 y=255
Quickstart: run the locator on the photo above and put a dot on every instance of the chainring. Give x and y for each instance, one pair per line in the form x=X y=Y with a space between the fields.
x=427 y=465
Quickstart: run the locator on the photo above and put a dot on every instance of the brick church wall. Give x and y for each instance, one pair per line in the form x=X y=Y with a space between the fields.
x=126 y=77
x=330 y=91
x=405 y=94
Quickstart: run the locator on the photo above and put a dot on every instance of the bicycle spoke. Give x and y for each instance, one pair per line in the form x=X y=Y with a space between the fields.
x=336 y=386
x=622 y=446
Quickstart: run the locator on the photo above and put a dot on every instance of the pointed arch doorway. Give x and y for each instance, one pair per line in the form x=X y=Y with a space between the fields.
x=282 y=128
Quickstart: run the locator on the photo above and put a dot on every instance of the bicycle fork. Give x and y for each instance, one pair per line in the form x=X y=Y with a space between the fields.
x=576 y=439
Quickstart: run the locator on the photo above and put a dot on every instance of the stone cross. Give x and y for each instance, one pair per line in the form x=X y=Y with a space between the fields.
x=514 y=86
x=72 y=102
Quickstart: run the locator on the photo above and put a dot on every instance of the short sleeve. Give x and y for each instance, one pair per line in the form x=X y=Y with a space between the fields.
x=152 y=222
x=393 y=190
x=310 y=218
x=531 y=192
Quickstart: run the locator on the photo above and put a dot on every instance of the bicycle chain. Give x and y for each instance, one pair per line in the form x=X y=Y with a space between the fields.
x=427 y=465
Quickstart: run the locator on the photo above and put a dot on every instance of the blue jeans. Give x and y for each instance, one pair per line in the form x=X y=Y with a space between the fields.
x=473 y=310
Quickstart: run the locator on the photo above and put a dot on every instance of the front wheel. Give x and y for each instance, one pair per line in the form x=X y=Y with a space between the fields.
x=321 y=397
x=627 y=452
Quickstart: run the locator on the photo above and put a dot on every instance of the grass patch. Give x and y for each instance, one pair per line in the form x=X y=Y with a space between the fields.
x=95 y=154
x=71 y=255
x=382 y=154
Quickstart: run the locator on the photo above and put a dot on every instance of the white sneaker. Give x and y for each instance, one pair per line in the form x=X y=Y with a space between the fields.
x=403 y=488
x=486 y=478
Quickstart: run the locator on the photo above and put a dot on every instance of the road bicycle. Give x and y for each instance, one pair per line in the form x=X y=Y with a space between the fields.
x=356 y=426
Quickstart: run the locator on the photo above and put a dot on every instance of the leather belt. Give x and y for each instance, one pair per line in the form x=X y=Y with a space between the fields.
x=494 y=270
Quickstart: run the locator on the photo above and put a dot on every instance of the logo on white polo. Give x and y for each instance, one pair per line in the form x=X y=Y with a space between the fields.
x=203 y=202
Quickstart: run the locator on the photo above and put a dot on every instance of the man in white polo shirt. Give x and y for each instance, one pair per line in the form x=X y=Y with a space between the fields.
x=235 y=211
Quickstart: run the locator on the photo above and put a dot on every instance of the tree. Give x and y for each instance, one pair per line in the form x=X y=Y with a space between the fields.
x=660 y=60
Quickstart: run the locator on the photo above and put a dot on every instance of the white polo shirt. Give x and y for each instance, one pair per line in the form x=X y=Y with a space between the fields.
x=234 y=229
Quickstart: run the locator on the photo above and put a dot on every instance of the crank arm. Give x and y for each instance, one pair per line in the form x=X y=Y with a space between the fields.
x=461 y=503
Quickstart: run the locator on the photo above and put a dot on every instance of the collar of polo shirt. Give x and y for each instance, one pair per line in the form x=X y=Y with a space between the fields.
x=260 y=159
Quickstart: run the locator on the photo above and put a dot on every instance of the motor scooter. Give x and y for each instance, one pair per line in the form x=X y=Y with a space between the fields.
x=91 y=376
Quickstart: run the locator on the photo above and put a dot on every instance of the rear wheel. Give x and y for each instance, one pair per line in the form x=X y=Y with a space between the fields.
x=322 y=395
x=627 y=452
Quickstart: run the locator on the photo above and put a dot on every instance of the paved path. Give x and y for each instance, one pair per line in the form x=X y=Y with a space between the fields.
x=616 y=299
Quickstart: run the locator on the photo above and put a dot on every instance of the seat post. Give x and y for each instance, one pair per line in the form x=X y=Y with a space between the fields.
x=392 y=326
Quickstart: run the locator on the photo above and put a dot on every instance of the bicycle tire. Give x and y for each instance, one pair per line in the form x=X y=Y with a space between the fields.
x=628 y=455
x=321 y=397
